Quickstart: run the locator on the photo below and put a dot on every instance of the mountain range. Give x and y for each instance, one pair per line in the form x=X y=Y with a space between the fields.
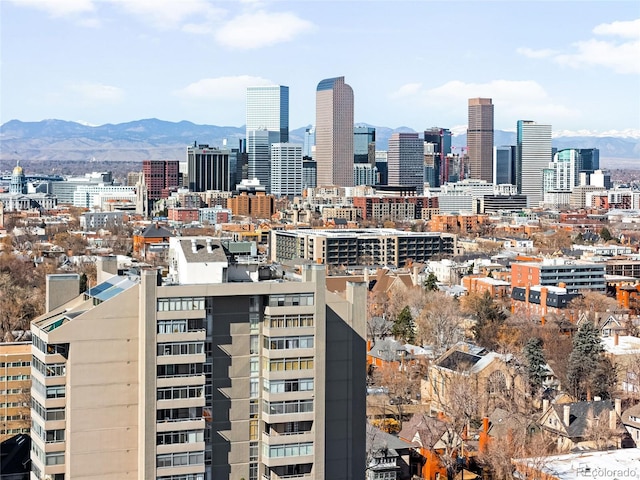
x=59 y=140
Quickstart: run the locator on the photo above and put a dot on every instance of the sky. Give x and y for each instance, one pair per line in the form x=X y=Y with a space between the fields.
x=574 y=65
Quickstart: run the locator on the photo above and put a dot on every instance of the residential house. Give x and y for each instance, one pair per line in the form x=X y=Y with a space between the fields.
x=389 y=457
x=631 y=421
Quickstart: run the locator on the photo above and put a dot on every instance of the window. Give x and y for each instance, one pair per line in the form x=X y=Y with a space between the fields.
x=180 y=348
x=49 y=369
x=186 y=436
x=179 y=459
x=289 y=321
x=290 y=406
x=180 y=370
x=181 y=326
x=289 y=450
x=54 y=436
x=180 y=304
x=283 y=343
x=170 y=393
x=302 y=299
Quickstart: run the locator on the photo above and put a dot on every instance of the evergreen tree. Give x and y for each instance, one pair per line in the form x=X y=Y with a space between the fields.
x=535 y=364
x=489 y=318
x=605 y=234
x=83 y=283
x=404 y=327
x=431 y=283
x=584 y=361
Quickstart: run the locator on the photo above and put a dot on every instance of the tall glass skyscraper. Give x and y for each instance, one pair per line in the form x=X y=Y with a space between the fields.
x=268 y=109
x=533 y=154
x=364 y=145
x=437 y=145
x=267 y=123
x=334 y=132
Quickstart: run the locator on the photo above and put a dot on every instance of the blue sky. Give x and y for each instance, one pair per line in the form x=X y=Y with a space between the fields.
x=575 y=65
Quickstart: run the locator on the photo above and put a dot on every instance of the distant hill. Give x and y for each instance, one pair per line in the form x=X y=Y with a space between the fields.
x=58 y=140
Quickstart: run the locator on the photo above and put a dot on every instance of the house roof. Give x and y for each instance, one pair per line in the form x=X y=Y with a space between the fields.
x=206 y=250
x=379 y=440
x=154 y=231
x=423 y=430
x=579 y=415
x=502 y=421
x=389 y=350
x=629 y=413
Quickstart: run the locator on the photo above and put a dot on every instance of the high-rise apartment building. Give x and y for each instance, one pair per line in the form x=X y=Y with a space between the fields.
x=286 y=169
x=208 y=168
x=405 y=160
x=334 y=132
x=480 y=139
x=533 y=154
x=268 y=109
x=15 y=384
x=211 y=374
x=161 y=177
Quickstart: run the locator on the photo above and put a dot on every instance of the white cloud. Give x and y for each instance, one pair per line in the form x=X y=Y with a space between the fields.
x=629 y=29
x=407 y=90
x=261 y=29
x=621 y=56
x=171 y=14
x=97 y=93
x=58 y=8
x=221 y=88
x=513 y=100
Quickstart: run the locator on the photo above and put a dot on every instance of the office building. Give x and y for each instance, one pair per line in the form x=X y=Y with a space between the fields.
x=365 y=174
x=437 y=145
x=161 y=177
x=372 y=246
x=213 y=374
x=208 y=168
x=480 y=139
x=259 y=155
x=286 y=169
x=309 y=174
x=405 y=160
x=504 y=164
x=383 y=167
x=334 y=132
x=533 y=155
x=364 y=145
x=268 y=109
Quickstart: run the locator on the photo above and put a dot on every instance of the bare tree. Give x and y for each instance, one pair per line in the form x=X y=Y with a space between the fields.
x=599 y=430
x=439 y=323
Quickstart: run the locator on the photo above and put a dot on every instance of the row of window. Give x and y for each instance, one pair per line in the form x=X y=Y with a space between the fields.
x=180 y=348
x=186 y=436
x=10 y=391
x=180 y=459
x=302 y=320
x=181 y=326
x=48 y=414
x=51 y=458
x=178 y=414
x=180 y=370
x=289 y=406
x=13 y=404
x=180 y=304
x=289 y=450
x=282 y=386
x=50 y=369
x=10 y=378
x=171 y=393
x=301 y=299
x=14 y=364
x=44 y=347
x=48 y=436
x=185 y=476
x=56 y=391
x=283 y=343
x=303 y=363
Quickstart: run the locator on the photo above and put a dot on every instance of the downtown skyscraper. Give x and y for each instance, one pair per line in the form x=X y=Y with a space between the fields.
x=267 y=113
x=334 y=132
x=533 y=154
x=405 y=159
x=480 y=139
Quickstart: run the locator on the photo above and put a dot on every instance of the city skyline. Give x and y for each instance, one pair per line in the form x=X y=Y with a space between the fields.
x=565 y=73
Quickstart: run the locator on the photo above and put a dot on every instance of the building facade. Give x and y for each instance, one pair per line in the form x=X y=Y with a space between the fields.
x=504 y=161
x=15 y=384
x=533 y=155
x=437 y=145
x=160 y=177
x=373 y=246
x=211 y=379
x=208 y=168
x=480 y=139
x=334 y=132
x=286 y=169
x=268 y=109
x=405 y=160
